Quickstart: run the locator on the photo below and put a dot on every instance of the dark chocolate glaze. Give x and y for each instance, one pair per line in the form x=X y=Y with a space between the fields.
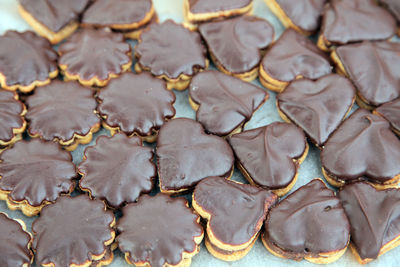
x=136 y=103
x=186 y=155
x=393 y=6
x=294 y=55
x=108 y=13
x=237 y=210
x=363 y=146
x=25 y=58
x=117 y=169
x=225 y=102
x=236 y=43
x=61 y=110
x=374 y=216
x=158 y=230
x=10 y=115
x=347 y=21
x=391 y=112
x=36 y=171
x=55 y=14
x=308 y=222
x=374 y=68
x=318 y=107
x=305 y=14
x=212 y=6
x=268 y=153
x=93 y=53
x=14 y=244
x=70 y=230
x=170 y=49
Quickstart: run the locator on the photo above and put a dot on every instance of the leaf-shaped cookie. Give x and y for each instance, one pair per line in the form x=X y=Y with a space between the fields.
x=391 y=112
x=73 y=232
x=363 y=147
x=234 y=212
x=117 y=169
x=224 y=103
x=186 y=155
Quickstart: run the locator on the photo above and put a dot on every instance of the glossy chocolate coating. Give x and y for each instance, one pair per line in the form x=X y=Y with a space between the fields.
x=158 y=230
x=10 y=115
x=70 y=230
x=136 y=103
x=14 y=244
x=236 y=43
x=391 y=112
x=294 y=55
x=237 y=210
x=117 y=169
x=36 y=171
x=268 y=153
x=61 y=110
x=211 y=6
x=55 y=14
x=374 y=68
x=183 y=151
x=346 y=21
x=363 y=146
x=305 y=14
x=93 y=53
x=121 y=12
x=25 y=58
x=308 y=222
x=225 y=102
x=374 y=216
x=170 y=49
x=393 y=6
x=318 y=107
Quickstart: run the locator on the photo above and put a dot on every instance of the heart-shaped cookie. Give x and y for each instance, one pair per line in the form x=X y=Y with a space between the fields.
x=186 y=155
x=391 y=112
x=362 y=148
x=318 y=107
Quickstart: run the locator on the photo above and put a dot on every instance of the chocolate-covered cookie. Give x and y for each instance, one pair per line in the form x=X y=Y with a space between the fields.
x=94 y=57
x=391 y=112
x=117 y=170
x=302 y=15
x=394 y=7
x=34 y=174
x=55 y=19
x=374 y=68
x=159 y=231
x=362 y=148
x=223 y=103
x=136 y=104
x=293 y=56
x=310 y=223
x=318 y=107
x=73 y=232
x=349 y=21
x=374 y=219
x=171 y=52
x=15 y=243
x=186 y=155
x=270 y=156
x=235 y=44
x=234 y=212
x=63 y=112
x=26 y=61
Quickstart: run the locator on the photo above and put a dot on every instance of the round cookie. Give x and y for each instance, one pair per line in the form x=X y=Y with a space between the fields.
x=171 y=52
x=74 y=232
x=117 y=170
x=15 y=243
x=159 y=231
x=63 y=112
x=26 y=61
x=391 y=112
x=94 y=57
x=55 y=19
x=310 y=223
x=34 y=174
x=150 y=105
x=234 y=213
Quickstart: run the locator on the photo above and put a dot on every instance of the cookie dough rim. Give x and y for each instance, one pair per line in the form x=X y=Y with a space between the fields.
x=27 y=88
x=17 y=132
x=273 y=84
x=135 y=34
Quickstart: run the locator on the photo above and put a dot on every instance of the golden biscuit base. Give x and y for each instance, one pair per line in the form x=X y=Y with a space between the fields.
x=16 y=131
x=135 y=33
x=228 y=255
x=273 y=84
x=106 y=260
x=42 y=30
x=324 y=44
x=26 y=88
x=397 y=132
